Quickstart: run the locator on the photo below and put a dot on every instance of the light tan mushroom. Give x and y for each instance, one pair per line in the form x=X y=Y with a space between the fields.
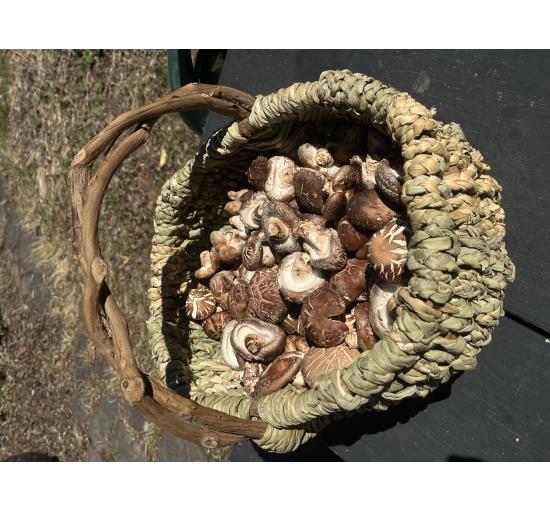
x=297 y=278
x=381 y=306
x=227 y=351
x=228 y=244
x=250 y=376
x=320 y=361
x=280 y=179
x=323 y=246
x=210 y=263
x=251 y=212
x=257 y=340
x=314 y=157
x=364 y=333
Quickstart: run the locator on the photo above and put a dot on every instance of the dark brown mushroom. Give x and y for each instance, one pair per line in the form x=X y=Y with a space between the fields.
x=213 y=325
x=346 y=178
x=237 y=299
x=377 y=144
x=219 y=285
x=320 y=361
x=279 y=373
x=354 y=142
x=388 y=181
x=316 y=318
x=257 y=340
x=350 y=282
x=296 y=343
x=335 y=206
x=308 y=189
x=265 y=301
x=257 y=172
x=365 y=334
x=367 y=210
x=351 y=239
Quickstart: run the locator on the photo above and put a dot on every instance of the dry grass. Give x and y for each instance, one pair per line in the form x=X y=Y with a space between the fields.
x=56 y=102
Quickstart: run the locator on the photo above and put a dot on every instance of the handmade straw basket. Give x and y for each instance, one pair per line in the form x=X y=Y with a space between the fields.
x=445 y=315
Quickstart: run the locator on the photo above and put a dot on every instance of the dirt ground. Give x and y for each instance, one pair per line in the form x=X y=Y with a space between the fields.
x=56 y=396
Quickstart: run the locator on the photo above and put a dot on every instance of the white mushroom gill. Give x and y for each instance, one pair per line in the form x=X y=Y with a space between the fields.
x=297 y=278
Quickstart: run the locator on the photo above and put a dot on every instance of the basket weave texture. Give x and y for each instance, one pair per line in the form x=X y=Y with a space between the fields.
x=457 y=257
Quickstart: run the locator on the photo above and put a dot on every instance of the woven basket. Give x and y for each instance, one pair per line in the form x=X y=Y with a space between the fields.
x=445 y=315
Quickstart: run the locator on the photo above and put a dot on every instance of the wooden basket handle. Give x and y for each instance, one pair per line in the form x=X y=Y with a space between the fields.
x=171 y=411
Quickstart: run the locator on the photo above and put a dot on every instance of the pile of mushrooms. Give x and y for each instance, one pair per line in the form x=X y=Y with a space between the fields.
x=303 y=279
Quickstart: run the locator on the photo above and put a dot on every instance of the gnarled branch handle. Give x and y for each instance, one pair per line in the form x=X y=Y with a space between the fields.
x=165 y=407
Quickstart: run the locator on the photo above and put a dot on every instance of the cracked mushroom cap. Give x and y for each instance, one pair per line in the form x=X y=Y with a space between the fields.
x=250 y=376
x=320 y=361
x=365 y=334
x=251 y=211
x=351 y=239
x=237 y=299
x=382 y=306
x=323 y=246
x=314 y=157
x=280 y=178
x=279 y=222
x=350 y=282
x=296 y=343
x=308 y=190
x=265 y=300
x=200 y=304
x=213 y=325
x=219 y=285
x=228 y=244
x=387 y=251
x=316 y=318
x=252 y=252
x=388 y=181
x=367 y=210
x=257 y=340
x=257 y=172
x=297 y=278
x=210 y=263
x=279 y=373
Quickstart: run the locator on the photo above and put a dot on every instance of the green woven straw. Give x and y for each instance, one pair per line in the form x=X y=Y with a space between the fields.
x=457 y=258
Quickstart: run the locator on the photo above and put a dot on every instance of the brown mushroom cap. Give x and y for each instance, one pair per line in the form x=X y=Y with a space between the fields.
x=200 y=304
x=213 y=325
x=265 y=301
x=314 y=157
x=387 y=251
x=252 y=252
x=346 y=178
x=297 y=278
x=251 y=375
x=335 y=206
x=388 y=181
x=351 y=239
x=219 y=285
x=257 y=340
x=320 y=361
x=237 y=299
x=316 y=318
x=210 y=263
x=257 y=172
x=279 y=222
x=228 y=244
x=323 y=246
x=350 y=282
x=251 y=211
x=280 y=179
x=308 y=189
x=296 y=343
x=278 y=374
x=365 y=334
x=367 y=210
